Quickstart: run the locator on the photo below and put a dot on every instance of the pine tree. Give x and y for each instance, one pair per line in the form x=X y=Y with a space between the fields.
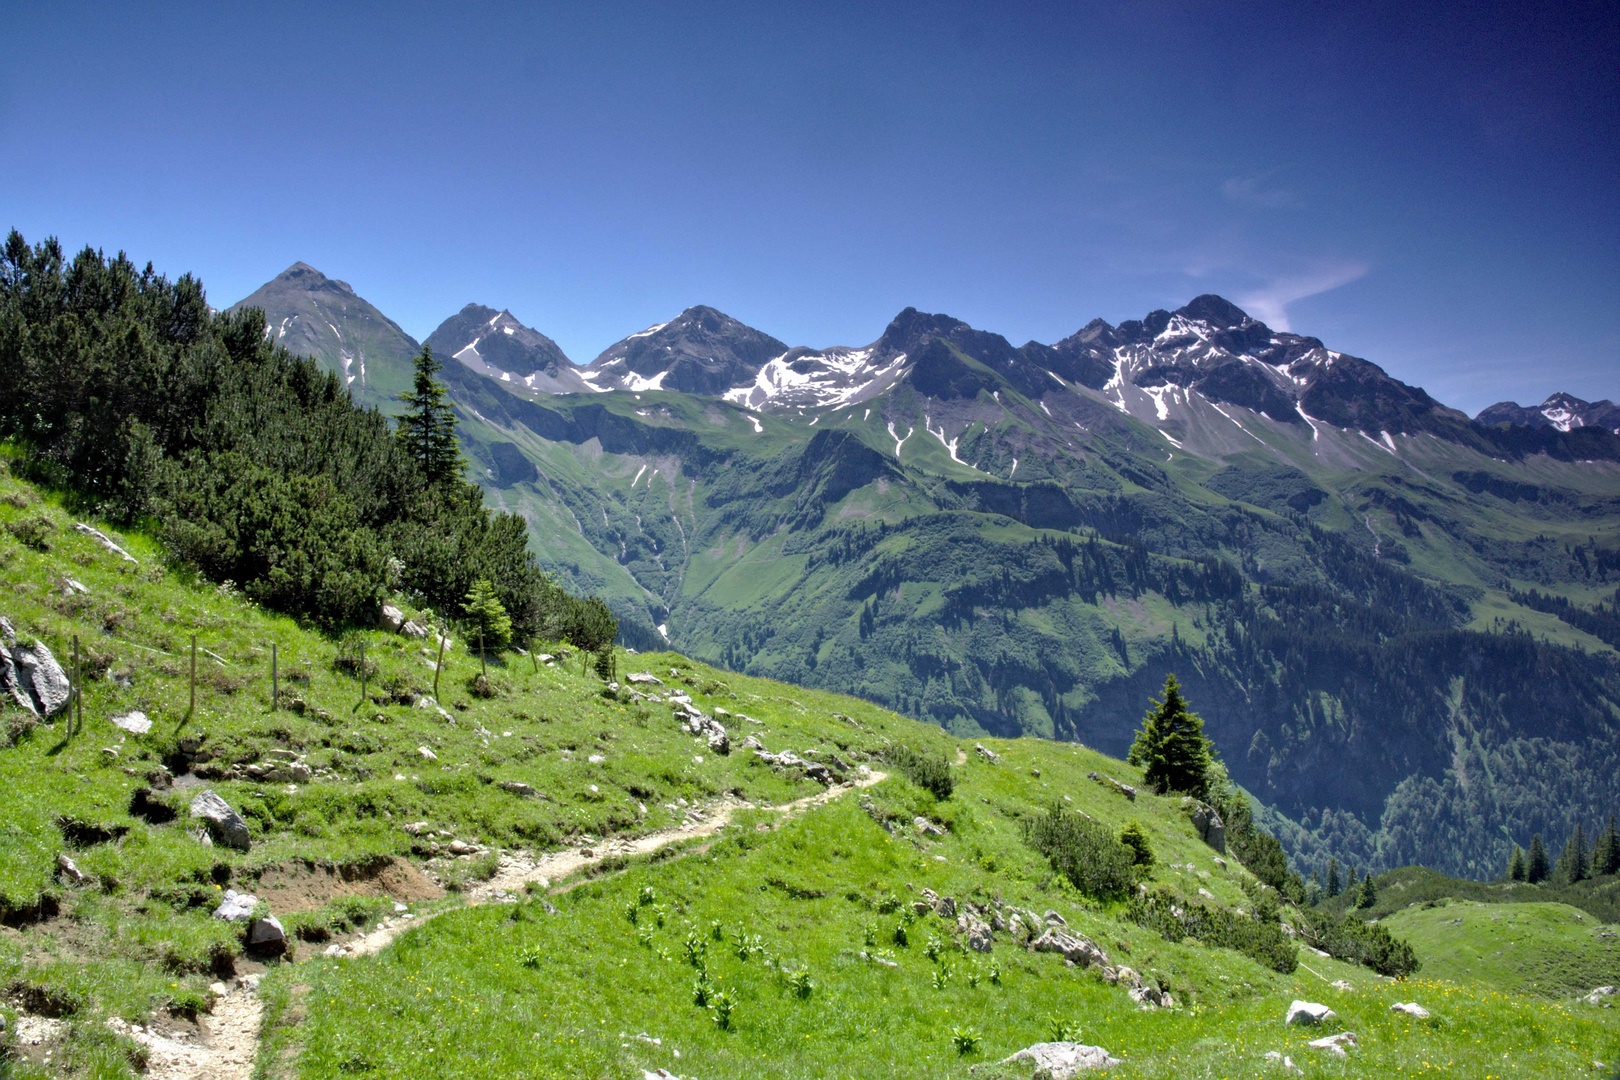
x=488 y=615
x=1516 y=864
x=1536 y=868
x=428 y=427
x=1368 y=894
x=1171 y=748
x=1572 y=862
x=1606 y=852
x=1334 y=885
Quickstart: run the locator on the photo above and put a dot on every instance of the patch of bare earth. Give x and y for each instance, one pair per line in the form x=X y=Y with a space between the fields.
x=307 y=886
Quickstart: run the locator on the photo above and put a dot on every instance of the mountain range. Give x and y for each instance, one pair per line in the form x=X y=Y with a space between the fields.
x=1398 y=622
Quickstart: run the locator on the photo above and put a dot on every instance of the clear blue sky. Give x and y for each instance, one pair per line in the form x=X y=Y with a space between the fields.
x=1429 y=186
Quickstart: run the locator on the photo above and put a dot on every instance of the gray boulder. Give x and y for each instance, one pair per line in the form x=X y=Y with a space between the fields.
x=1308 y=1013
x=1075 y=949
x=267 y=934
x=1061 y=1060
x=105 y=541
x=390 y=618
x=224 y=825
x=1340 y=1044
x=68 y=869
x=10 y=686
x=1410 y=1008
x=38 y=673
x=1211 y=830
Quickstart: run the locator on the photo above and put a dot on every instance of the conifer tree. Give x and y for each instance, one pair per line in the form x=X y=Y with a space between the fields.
x=1334 y=885
x=1516 y=864
x=1572 y=861
x=1367 y=896
x=1536 y=868
x=1606 y=852
x=488 y=615
x=1171 y=748
x=428 y=427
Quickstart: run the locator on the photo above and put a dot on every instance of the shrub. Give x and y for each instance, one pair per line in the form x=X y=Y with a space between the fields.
x=1136 y=840
x=1255 y=937
x=1368 y=944
x=1083 y=851
x=928 y=771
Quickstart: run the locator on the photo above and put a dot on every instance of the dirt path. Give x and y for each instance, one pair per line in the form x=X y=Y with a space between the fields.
x=516 y=871
x=225 y=1050
x=227 y=1045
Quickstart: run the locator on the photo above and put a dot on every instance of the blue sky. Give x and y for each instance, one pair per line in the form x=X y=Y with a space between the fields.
x=1433 y=187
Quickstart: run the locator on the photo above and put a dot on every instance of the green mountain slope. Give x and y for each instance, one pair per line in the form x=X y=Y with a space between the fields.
x=375 y=816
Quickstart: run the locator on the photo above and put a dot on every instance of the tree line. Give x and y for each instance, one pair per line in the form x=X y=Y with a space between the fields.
x=252 y=465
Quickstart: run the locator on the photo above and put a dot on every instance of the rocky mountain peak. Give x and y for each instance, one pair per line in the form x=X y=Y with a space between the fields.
x=700 y=351
x=1564 y=412
x=1215 y=310
x=496 y=344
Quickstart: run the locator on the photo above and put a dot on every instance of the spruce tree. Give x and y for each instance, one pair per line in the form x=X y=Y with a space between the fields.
x=488 y=615
x=428 y=426
x=1334 y=885
x=1367 y=896
x=1606 y=852
x=1171 y=748
x=1516 y=864
x=1536 y=868
x=1572 y=862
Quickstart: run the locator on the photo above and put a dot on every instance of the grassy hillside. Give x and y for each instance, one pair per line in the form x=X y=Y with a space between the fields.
x=411 y=806
x=1528 y=948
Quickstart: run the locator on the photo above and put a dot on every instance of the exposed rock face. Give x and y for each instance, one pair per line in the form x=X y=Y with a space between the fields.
x=390 y=618
x=105 y=541
x=1109 y=782
x=1076 y=949
x=787 y=759
x=1340 y=1045
x=1308 y=1013
x=1209 y=825
x=33 y=678
x=1412 y=1009
x=224 y=825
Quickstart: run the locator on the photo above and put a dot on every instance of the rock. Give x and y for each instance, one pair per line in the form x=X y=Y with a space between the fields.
x=1340 y=984
x=38 y=673
x=1206 y=894
x=66 y=867
x=413 y=629
x=1596 y=996
x=1151 y=997
x=788 y=759
x=1308 y=1013
x=1052 y=918
x=224 y=825
x=267 y=934
x=427 y=753
x=523 y=791
x=719 y=741
x=1109 y=782
x=985 y=752
x=390 y=618
x=641 y=678
x=1061 y=1060
x=236 y=907
x=9 y=683
x=1220 y=862
x=658 y=1074
x=945 y=907
x=927 y=828
x=218 y=989
x=1412 y=1009
x=105 y=541
x=1211 y=830
x=461 y=847
x=979 y=935
x=1341 y=1044
x=1077 y=950
x=136 y=723
x=1287 y=1063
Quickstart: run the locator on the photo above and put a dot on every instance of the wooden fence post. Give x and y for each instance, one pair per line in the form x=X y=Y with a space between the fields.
x=362 y=675
x=438 y=666
x=483 y=664
x=275 y=679
x=78 y=686
x=193 y=709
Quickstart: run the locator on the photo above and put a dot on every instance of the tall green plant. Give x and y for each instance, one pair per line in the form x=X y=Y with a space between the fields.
x=1171 y=748
x=428 y=426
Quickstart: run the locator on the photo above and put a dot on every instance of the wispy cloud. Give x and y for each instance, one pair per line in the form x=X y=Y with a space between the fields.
x=1270 y=303
x=1252 y=191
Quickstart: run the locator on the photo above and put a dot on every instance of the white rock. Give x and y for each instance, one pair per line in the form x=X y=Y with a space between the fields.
x=1062 y=1060
x=1341 y=1044
x=40 y=674
x=236 y=907
x=1285 y=1062
x=1340 y=984
x=427 y=753
x=1308 y=1012
x=66 y=867
x=1412 y=1009
x=105 y=541
x=390 y=618
x=640 y=677
x=266 y=931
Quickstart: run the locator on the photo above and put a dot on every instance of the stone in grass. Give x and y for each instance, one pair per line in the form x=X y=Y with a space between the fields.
x=1340 y=984
x=224 y=825
x=236 y=907
x=1596 y=996
x=1340 y=1044
x=1061 y=1060
x=390 y=618
x=267 y=935
x=136 y=723
x=1284 y=1062
x=1308 y=1013
x=1412 y=1009
x=643 y=678
x=68 y=869
x=427 y=753
x=38 y=673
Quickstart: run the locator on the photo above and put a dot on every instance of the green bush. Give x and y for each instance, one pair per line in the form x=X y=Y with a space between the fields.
x=931 y=772
x=1134 y=838
x=1083 y=851
x=1260 y=938
x=1366 y=943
